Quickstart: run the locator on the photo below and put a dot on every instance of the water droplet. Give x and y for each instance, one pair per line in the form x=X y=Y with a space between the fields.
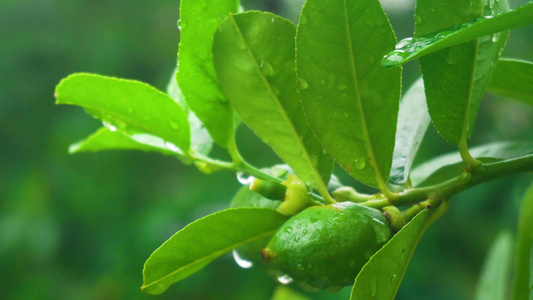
x=454 y=55
x=172 y=147
x=243 y=263
x=377 y=99
x=394 y=58
x=174 y=125
x=284 y=279
x=360 y=163
x=495 y=37
x=244 y=178
x=110 y=127
x=179 y=24
x=404 y=43
x=305 y=231
x=342 y=86
x=303 y=83
x=273 y=20
x=299 y=226
x=288 y=229
x=418 y=20
x=266 y=68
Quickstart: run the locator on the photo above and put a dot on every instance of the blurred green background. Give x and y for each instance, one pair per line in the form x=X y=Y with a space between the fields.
x=81 y=226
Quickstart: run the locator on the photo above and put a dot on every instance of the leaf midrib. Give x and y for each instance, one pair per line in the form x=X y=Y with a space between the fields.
x=281 y=109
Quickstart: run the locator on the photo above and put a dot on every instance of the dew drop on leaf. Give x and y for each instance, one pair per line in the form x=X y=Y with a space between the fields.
x=284 y=279
x=303 y=83
x=241 y=262
x=360 y=163
x=174 y=125
x=266 y=68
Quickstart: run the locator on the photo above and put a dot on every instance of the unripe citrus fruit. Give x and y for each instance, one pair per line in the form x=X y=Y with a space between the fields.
x=325 y=247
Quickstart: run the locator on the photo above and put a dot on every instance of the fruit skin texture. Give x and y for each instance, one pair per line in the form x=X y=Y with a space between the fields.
x=325 y=247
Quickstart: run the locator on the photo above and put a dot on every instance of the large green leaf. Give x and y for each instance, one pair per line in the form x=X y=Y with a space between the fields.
x=201 y=141
x=254 y=60
x=449 y=165
x=380 y=278
x=199 y=20
x=455 y=78
x=413 y=121
x=204 y=240
x=130 y=106
x=350 y=101
x=522 y=279
x=105 y=139
x=494 y=279
x=413 y=48
x=513 y=79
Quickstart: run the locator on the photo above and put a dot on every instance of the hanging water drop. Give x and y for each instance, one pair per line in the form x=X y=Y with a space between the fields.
x=241 y=262
x=495 y=37
x=284 y=279
x=179 y=24
x=244 y=178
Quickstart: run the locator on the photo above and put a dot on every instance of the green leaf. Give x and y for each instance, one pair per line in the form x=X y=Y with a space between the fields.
x=201 y=141
x=449 y=165
x=438 y=39
x=413 y=121
x=513 y=79
x=455 y=78
x=350 y=101
x=522 y=287
x=286 y=293
x=204 y=240
x=199 y=20
x=381 y=276
x=494 y=279
x=105 y=139
x=254 y=60
x=130 y=106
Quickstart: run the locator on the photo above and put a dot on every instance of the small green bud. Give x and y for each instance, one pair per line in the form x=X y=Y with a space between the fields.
x=395 y=217
x=296 y=197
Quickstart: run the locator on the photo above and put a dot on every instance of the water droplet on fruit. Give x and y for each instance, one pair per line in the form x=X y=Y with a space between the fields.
x=284 y=279
x=244 y=178
x=288 y=229
x=110 y=127
x=241 y=262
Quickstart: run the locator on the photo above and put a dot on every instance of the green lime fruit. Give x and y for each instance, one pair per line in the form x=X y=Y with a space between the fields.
x=325 y=247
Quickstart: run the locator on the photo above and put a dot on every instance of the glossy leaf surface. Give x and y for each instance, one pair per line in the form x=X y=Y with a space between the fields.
x=204 y=240
x=455 y=78
x=254 y=60
x=199 y=20
x=438 y=39
x=449 y=165
x=413 y=121
x=380 y=278
x=494 y=278
x=105 y=139
x=513 y=79
x=522 y=279
x=350 y=101
x=130 y=106
x=201 y=141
